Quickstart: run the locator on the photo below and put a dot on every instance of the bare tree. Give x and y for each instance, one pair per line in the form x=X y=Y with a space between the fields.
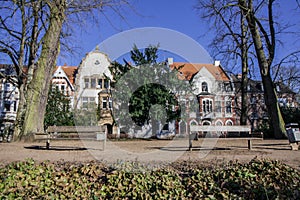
x=32 y=32
x=288 y=71
x=264 y=39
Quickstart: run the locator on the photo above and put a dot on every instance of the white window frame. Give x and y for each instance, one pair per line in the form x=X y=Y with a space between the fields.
x=104 y=103
x=204 y=86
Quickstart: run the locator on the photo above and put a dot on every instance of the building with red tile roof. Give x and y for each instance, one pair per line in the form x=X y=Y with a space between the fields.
x=214 y=91
x=63 y=79
x=188 y=70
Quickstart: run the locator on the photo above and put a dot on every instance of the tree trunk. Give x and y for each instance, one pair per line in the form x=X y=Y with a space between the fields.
x=264 y=63
x=244 y=81
x=273 y=107
x=37 y=92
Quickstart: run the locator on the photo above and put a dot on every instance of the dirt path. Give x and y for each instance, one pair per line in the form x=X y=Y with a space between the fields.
x=210 y=151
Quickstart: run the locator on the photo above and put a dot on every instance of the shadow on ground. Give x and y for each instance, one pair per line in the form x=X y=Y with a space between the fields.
x=195 y=148
x=56 y=148
x=278 y=146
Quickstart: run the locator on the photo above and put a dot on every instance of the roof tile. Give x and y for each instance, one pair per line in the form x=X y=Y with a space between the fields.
x=188 y=70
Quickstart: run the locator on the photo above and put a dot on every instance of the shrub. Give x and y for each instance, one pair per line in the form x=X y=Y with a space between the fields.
x=257 y=179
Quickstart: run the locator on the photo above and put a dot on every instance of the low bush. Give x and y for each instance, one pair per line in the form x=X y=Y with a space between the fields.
x=257 y=179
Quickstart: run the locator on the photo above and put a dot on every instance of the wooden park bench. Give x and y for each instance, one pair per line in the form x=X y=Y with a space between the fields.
x=97 y=133
x=227 y=129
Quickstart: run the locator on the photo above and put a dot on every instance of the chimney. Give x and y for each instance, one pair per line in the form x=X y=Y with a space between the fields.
x=170 y=61
x=217 y=63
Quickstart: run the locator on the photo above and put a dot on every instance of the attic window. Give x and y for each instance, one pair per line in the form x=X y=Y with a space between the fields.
x=204 y=87
x=97 y=62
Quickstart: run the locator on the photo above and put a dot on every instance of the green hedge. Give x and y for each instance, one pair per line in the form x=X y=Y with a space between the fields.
x=258 y=179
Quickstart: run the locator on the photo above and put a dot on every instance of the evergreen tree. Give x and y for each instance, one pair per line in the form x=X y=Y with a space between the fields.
x=58 y=111
x=148 y=89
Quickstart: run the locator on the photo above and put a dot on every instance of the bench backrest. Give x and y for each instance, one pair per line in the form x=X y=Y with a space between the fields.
x=76 y=129
x=221 y=128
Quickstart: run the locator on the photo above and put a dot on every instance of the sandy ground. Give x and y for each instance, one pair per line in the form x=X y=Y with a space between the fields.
x=207 y=151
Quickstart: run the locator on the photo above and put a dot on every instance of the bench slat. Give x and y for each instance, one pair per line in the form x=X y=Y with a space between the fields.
x=221 y=128
x=75 y=129
x=94 y=139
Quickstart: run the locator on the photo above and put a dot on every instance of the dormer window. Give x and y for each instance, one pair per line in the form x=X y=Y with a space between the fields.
x=204 y=87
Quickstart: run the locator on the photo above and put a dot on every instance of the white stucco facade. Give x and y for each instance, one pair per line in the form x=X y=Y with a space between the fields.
x=204 y=76
x=91 y=78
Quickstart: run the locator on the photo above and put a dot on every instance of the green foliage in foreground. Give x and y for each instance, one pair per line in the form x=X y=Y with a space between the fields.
x=258 y=179
x=58 y=110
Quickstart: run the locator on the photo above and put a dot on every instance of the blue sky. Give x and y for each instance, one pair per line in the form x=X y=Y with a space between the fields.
x=177 y=15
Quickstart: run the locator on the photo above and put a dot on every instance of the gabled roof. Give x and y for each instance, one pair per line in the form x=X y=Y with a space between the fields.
x=188 y=70
x=282 y=88
x=69 y=71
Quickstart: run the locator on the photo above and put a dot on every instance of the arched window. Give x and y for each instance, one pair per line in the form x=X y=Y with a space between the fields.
x=193 y=122
x=219 y=123
x=206 y=123
x=229 y=123
x=204 y=87
x=182 y=128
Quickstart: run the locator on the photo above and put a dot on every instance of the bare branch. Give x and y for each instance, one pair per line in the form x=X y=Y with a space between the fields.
x=292 y=59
